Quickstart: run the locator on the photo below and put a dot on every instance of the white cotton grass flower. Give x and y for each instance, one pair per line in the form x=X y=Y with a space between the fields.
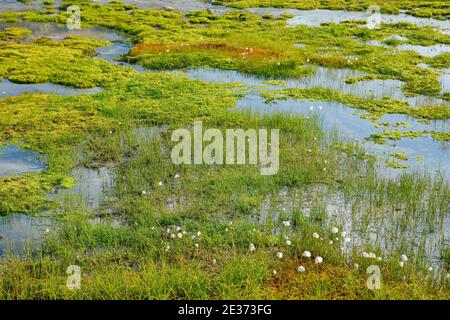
x=372 y=255
x=172 y=236
x=252 y=247
x=47 y=230
x=301 y=269
x=401 y=264
x=196 y=246
x=288 y=242
x=286 y=223
x=279 y=255
x=430 y=269
x=214 y=261
x=199 y=233
x=179 y=235
x=334 y=230
x=356 y=266
x=144 y=192
x=318 y=260
x=178 y=228
x=177 y=176
x=274 y=272
x=167 y=248
x=330 y=242
x=316 y=235
x=379 y=258
x=404 y=258
x=160 y=183
x=306 y=254
x=343 y=234
x=365 y=254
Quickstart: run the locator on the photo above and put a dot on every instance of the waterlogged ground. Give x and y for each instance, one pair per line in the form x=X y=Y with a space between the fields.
x=364 y=162
x=14 y=161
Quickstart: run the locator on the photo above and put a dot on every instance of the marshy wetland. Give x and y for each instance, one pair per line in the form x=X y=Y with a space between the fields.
x=87 y=179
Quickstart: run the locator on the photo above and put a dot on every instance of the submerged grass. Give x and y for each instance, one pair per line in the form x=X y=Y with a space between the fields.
x=375 y=108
